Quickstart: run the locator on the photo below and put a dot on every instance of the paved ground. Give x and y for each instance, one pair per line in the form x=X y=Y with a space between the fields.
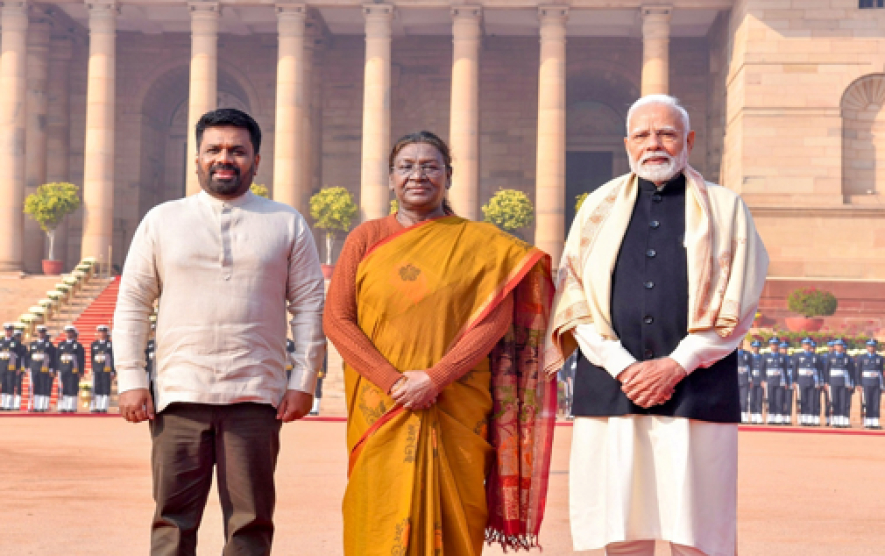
x=80 y=486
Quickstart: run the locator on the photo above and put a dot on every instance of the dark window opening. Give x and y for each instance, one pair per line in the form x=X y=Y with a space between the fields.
x=872 y=4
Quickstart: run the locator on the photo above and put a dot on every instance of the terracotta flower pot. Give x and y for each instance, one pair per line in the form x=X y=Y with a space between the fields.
x=51 y=268
x=803 y=324
x=327 y=270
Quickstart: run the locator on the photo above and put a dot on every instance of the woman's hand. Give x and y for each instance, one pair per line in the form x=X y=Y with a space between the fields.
x=416 y=392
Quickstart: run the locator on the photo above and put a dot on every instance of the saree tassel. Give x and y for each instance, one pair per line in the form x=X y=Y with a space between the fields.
x=515 y=542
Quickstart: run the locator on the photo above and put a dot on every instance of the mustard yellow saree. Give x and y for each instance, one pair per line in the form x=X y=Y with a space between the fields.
x=474 y=466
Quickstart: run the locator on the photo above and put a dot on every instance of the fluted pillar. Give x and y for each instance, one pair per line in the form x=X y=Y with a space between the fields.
x=203 y=95
x=13 y=76
x=58 y=127
x=289 y=136
x=98 y=155
x=656 y=50
x=374 y=190
x=550 y=172
x=307 y=144
x=35 y=132
x=464 y=114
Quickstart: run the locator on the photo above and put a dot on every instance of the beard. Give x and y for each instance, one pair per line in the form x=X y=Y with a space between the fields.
x=659 y=173
x=224 y=187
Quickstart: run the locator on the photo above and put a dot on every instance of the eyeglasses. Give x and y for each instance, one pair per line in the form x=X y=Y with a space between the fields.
x=430 y=170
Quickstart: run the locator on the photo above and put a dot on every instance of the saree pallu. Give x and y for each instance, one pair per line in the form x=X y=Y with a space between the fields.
x=474 y=466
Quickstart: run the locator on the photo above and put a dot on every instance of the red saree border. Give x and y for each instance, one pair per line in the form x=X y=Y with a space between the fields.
x=358 y=448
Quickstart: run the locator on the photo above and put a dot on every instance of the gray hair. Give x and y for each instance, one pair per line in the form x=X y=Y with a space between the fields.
x=666 y=100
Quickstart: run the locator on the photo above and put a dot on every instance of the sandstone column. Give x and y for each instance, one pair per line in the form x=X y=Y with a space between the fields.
x=656 y=50
x=58 y=128
x=307 y=144
x=550 y=172
x=98 y=157
x=203 y=95
x=35 y=134
x=289 y=136
x=13 y=72
x=374 y=191
x=464 y=122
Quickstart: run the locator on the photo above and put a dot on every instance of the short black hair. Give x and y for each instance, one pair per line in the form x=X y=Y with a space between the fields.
x=230 y=117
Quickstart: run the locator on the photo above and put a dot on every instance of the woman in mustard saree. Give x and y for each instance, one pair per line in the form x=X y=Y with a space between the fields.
x=440 y=322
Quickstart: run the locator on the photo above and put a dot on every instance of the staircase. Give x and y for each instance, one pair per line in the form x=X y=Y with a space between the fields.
x=99 y=311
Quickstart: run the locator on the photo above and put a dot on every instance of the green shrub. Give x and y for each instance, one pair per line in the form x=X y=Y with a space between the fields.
x=812 y=302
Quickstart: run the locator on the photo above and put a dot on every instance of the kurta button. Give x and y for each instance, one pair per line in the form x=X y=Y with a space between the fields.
x=649 y=354
x=649 y=285
x=656 y=198
x=648 y=319
x=655 y=224
x=651 y=253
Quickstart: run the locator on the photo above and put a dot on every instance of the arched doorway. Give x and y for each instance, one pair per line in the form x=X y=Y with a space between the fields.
x=164 y=157
x=863 y=137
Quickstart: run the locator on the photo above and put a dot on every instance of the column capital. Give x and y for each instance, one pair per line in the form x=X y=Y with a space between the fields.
x=658 y=13
x=20 y=4
x=553 y=13
x=96 y=6
x=15 y=16
x=290 y=9
x=204 y=9
x=378 y=11
x=467 y=12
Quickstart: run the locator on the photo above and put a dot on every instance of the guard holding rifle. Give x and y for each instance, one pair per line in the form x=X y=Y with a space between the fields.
x=840 y=383
x=757 y=379
x=41 y=358
x=808 y=371
x=102 y=370
x=745 y=359
x=869 y=371
x=71 y=363
x=22 y=368
x=8 y=367
x=775 y=371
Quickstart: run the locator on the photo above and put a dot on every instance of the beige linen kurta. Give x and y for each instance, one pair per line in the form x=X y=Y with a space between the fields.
x=225 y=274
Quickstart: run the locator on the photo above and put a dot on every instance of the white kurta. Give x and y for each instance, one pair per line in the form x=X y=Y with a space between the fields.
x=644 y=477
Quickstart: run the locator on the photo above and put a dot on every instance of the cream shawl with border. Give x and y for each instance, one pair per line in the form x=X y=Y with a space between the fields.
x=727 y=261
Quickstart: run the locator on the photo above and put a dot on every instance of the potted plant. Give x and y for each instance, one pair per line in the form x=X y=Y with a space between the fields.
x=48 y=206
x=333 y=210
x=812 y=304
x=509 y=210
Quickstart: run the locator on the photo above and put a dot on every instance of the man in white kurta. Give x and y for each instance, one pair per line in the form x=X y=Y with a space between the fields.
x=658 y=285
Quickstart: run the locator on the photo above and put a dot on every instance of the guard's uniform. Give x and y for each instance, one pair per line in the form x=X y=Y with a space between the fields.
x=22 y=369
x=41 y=363
x=745 y=360
x=757 y=377
x=775 y=370
x=102 y=372
x=71 y=361
x=9 y=364
x=869 y=371
x=808 y=372
x=840 y=376
x=787 y=410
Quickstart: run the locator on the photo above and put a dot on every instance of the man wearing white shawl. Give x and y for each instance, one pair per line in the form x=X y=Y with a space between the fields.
x=658 y=285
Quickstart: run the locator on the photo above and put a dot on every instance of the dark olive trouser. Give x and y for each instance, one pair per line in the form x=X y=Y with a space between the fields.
x=242 y=441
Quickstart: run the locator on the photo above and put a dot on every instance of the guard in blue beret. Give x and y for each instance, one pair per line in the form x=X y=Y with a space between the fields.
x=71 y=364
x=788 y=388
x=839 y=374
x=9 y=354
x=757 y=380
x=871 y=382
x=774 y=367
x=825 y=392
x=41 y=363
x=808 y=373
x=101 y=351
x=745 y=359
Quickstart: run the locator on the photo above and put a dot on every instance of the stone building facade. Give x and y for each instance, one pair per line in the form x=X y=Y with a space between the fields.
x=787 y=98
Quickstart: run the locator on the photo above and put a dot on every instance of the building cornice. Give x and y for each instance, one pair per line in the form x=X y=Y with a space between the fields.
x=842 y=211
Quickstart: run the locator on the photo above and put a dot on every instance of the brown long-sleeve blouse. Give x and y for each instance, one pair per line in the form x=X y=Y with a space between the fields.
x=341 y=325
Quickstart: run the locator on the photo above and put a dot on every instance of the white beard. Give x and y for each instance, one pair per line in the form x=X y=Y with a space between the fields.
x=660 y=173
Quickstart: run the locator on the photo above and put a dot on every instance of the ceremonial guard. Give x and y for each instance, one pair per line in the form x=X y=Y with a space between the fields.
x=318 y=389
x=775 y=371
x=871 y=383
x=745 y=359
x=102 y=370
x=22 y=368
x=808 y=373
x=9 y=363
x=757 y=379
x=71 y=363
x=787 y=411
x=290 y=361
x=41 y=363
x=839 y=372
